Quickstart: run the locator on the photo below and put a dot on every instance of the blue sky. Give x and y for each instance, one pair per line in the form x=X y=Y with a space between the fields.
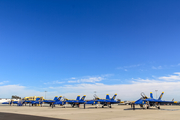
x=65 y=46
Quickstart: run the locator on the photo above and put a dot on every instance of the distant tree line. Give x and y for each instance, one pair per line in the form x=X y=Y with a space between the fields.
x=15 y=97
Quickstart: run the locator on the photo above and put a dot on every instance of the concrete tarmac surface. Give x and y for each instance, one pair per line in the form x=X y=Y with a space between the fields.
x=117 y=112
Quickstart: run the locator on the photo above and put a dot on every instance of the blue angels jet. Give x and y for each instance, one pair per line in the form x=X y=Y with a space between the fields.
x=11 y=102
x=53 y=102
x=59 y=102
x=23 y=101
x=146 y=102
x=19 y=103
x=37 y=102
x=76 y=102
x=29 y=101
x=104 y=102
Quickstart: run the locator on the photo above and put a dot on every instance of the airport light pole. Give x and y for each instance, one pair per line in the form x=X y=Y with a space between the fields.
x=45 y=94
x=95 y=94
x=156 y=93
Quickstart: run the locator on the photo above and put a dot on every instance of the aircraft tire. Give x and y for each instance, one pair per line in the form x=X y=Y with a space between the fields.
x=72 y=105
x=78 y=105
x=52 y=105
x=141 y=106
x=103 y=106
x=84 y=106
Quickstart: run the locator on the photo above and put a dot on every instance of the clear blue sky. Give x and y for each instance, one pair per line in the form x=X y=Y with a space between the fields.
x=46 y=43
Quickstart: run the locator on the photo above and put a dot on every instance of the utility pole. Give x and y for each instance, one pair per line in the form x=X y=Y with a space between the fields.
x=45 y=94
x=95 y=95
x=156 y=93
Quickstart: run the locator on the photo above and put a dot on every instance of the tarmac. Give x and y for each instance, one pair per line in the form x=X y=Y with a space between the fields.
x=117 y=112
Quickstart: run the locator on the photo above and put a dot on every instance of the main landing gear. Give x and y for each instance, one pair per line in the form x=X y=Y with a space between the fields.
x=109 y=105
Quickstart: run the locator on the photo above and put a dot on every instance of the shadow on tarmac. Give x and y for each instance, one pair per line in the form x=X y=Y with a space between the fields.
x=152 y=109
x=12 y=116
x=96 y=108
x=132 y=109
x=170 y=109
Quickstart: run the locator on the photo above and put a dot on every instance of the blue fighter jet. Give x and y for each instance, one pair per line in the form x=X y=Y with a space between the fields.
x=58 y=103
x=37 y=102
x=76 y=102
x=146 y=102
x=29 y=101
x=104 y=102
x=19 y=102
x=52 y=102
x=11 y=102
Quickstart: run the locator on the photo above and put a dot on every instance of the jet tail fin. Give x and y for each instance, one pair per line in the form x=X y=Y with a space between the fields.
x=37 y=99
x=151 y=95
x=161 y=96
x=83 y=98
x=114 y=97
x=107 y=97
x=59 y=98
x=78 y=97
x=55 y=98
x=41 y=98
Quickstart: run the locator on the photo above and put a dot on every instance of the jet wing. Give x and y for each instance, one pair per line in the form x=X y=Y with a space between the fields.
x=159 y=101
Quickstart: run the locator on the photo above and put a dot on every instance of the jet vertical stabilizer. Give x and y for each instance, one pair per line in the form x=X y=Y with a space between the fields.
x=107 y=97
x=59 y=98
x=82 y=99
x=151 y=95
x=37 y=99
x=113 y=98
x=78 y=97
x=161 y=96
x=56 y=97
